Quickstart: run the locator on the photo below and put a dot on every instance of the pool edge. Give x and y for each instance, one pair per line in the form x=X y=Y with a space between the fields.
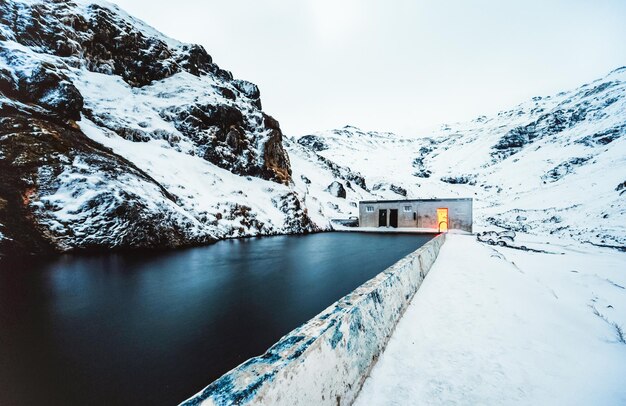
x=326 y=360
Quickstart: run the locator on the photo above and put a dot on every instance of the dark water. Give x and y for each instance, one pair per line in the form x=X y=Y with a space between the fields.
x=156 y=328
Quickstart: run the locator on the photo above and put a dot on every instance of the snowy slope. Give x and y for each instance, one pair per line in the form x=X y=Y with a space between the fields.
x=552 y=165
x=115 y=136
x=329 y=190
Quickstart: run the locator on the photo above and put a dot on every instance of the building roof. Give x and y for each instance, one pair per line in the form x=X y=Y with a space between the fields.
x=454 y=199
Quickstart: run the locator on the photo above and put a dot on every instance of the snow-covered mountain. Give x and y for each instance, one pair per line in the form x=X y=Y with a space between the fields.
x=553 y=165
x=113 y=135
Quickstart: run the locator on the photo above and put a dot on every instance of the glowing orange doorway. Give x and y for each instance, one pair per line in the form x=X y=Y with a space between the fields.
x=442 y=219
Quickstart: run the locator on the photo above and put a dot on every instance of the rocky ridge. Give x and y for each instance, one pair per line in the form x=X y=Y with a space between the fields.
x=552 y=165
x=93 y=104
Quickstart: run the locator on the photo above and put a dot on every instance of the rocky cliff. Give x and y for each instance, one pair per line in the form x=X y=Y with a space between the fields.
x=113 y=135
x=116 y=136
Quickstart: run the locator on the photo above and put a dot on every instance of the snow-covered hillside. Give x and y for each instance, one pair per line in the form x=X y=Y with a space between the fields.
x=116 y=136
x=113 y=135
x=552 y=165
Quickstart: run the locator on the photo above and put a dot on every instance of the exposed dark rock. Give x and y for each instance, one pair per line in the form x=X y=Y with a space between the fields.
x=35 y=152
x=390 y=186
x=270 y=122
x=108 y=43
x=133 y=210
x=227 y=93
x=250 y=90
x=222 y=134
x=275 y=159
x=460 y=180
x=563 y=117
x=418 y=163
x=314 y=142
x=516 y=138
x=64 y=99
x=52 y=91
x=236 y=140
x=244 y=215
x=603 y=137
x=105 y=42
x=116 y=47
x=600 y=88
x=8 y=85
x=563 y=169
x=424 y=173
x=343 y=172
x=46 y=87
x=519 y=226
x=224 y=74
x=398 y=190
x=546 y=125
x=337 y=190
x=195 y=60
x=297 y=217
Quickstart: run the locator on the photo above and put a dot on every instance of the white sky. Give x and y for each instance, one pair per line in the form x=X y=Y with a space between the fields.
x=397 y=65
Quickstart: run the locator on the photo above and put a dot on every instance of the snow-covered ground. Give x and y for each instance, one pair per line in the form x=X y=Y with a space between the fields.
x=503 y=326
x=551 y=165
x=216 y=164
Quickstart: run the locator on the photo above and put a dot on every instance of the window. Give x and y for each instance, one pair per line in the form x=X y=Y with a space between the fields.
x=408 y=209
x=369 y=209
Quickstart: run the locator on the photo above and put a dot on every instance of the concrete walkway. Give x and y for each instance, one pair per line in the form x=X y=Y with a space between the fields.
x=502 y=326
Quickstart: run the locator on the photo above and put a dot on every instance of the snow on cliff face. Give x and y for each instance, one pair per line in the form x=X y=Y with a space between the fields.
x=551 y=165
x=319 y=180
x=115 y=136
x=137 y=83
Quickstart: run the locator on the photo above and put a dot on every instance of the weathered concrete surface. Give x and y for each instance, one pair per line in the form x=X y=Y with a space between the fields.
x=393 y=230
x=326 y=360
x=419 y=213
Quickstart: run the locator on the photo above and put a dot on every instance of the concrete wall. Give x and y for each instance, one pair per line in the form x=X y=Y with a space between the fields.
x=460 y=213
x=326 y=360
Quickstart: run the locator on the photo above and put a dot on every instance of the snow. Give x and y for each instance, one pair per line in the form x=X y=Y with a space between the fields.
x=140 y=124
x=79 y=185
x=583 y=203
x=202 y=189
x=504 y=326
x=544 y=188
x=321 y=204
x=489 y=326
x=144 y=28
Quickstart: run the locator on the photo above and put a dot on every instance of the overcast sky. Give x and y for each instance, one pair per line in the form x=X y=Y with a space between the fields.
x=400 y=65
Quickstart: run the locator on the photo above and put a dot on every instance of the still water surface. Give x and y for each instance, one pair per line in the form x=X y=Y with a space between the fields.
x=155 y=328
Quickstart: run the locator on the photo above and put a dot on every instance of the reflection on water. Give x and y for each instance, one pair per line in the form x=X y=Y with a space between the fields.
x=155 y=328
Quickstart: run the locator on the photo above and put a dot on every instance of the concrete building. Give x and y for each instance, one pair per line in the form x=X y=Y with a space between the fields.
x=433 y=214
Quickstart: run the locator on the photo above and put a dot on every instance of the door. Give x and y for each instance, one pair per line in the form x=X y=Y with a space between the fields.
x=393 y=218
x=382 y=218
x=442 y=219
